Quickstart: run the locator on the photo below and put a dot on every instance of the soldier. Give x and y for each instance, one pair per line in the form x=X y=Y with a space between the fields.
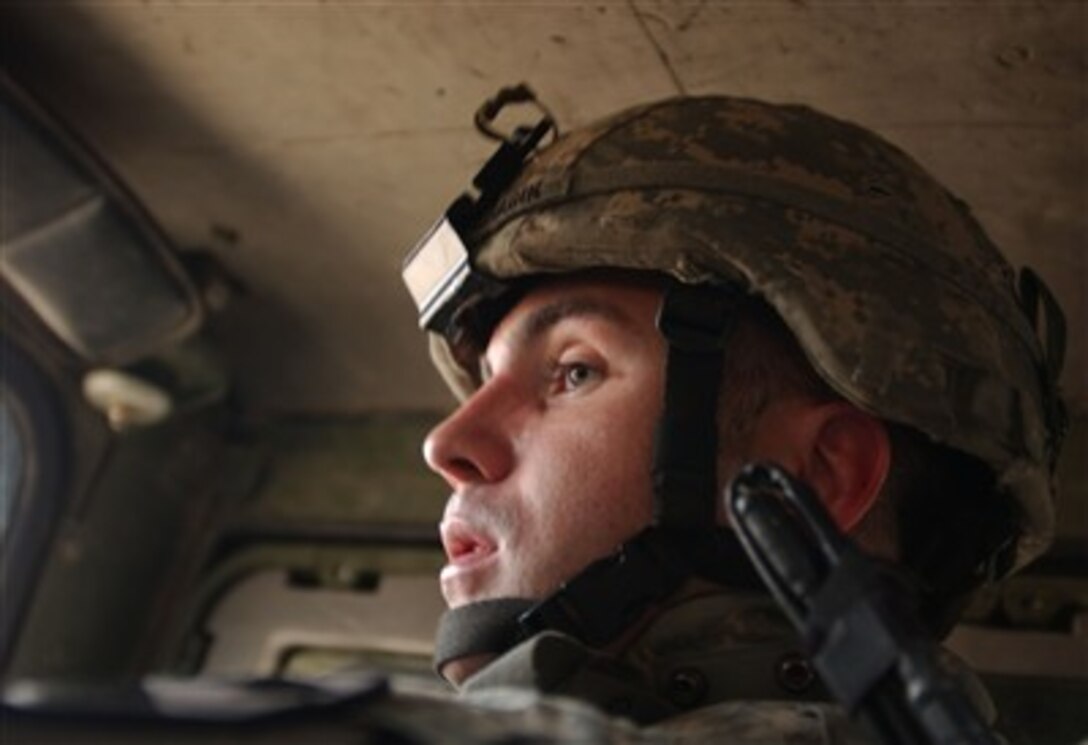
x=635 y=310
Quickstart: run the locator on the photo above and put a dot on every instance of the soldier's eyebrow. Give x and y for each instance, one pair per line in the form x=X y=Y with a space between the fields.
x=546 y=317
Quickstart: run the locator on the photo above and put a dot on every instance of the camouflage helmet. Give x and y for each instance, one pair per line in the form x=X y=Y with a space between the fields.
x=897 y=297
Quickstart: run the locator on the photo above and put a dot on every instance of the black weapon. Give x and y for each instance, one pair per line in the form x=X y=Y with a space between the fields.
x=854 y=615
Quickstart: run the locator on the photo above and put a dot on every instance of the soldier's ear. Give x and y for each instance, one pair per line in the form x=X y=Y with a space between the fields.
x=847 y=461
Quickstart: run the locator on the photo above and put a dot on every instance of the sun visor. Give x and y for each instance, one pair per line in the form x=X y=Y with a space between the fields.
x=79 y=249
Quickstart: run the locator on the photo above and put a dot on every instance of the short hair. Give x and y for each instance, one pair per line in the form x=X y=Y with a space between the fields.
x=939 y=513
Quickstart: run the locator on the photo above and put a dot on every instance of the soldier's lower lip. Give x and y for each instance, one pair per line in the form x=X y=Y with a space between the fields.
x=463 y=580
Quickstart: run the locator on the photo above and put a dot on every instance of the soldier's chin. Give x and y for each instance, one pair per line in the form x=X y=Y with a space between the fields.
x=492 y=579
x=464 y=582
x=458 y=598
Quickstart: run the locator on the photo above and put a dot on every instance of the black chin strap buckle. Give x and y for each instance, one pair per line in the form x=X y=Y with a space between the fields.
x=694 y=321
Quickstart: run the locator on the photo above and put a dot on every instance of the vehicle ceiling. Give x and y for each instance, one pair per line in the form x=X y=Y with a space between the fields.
x=307 y=145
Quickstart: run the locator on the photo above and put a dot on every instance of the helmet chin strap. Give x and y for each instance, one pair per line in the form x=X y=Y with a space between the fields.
x=694 y=321
x=610 y=595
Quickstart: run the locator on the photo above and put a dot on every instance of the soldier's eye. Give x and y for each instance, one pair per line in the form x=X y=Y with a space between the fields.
x=576 y=375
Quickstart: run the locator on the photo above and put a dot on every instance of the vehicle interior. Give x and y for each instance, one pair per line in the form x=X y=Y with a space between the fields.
x=214 y=387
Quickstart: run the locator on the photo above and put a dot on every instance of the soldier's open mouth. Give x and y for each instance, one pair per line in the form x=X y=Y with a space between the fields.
x=463 y=543
x=472 y=559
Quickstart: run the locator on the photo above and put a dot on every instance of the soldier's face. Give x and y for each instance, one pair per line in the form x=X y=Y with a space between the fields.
x=549 y=461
